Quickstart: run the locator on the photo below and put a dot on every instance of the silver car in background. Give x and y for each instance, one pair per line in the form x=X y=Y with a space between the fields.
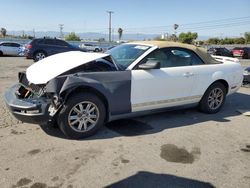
x=10 y=48
x=90 y=47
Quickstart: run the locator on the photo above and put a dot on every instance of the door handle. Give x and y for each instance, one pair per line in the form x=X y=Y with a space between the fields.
x=188 y=74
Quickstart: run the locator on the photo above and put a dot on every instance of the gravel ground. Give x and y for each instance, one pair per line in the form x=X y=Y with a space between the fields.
x=182 y=148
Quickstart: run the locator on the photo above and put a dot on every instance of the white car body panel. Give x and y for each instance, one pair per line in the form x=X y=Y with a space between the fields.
x=205 y=75
x=52 y=66
x=174 y=86
x=158 y=88
x=225 y=59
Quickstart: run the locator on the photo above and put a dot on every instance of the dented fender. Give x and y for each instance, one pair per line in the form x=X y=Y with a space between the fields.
x=114 y=86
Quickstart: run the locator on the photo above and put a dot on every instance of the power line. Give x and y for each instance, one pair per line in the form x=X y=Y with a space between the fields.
x=194 y=23
x=229 y=22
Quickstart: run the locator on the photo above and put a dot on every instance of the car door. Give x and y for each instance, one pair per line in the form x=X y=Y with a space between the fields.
x=15 y=49
x=171 y=85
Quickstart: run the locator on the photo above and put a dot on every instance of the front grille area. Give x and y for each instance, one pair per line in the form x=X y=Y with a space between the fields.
x=27 y=89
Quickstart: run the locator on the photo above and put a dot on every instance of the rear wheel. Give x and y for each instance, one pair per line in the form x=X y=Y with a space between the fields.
x=1 y=53
x=39 y=55
x=82 y=116
x=213 y=99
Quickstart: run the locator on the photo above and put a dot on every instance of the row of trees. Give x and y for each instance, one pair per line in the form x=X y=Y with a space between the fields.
x=237 y=40
x=190 y=38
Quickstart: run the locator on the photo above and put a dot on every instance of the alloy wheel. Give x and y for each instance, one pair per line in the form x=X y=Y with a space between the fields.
x=40 y=56
x=83 y=116
x=215 y=98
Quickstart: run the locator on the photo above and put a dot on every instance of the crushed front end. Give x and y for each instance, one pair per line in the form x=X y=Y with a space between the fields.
x=28 y=102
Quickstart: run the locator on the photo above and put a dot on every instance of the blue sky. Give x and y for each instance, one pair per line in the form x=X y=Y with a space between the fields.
x=134 y=16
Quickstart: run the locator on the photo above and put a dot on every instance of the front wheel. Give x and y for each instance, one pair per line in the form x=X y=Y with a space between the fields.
x=213 y=99
x=82 y=116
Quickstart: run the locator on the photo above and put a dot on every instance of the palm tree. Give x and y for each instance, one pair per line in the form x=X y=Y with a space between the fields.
x=120 y=30
x=3 y=31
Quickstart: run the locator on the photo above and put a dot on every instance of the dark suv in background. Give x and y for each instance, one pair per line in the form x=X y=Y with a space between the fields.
x=220 y=51
x=40 y=48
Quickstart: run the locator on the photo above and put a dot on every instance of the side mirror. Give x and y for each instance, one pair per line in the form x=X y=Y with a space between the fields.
x=150 y=64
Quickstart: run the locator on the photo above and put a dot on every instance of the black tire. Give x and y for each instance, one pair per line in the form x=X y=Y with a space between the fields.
x=96 y=50
x=39 y=55
x=1 y=53
x=206 y=103
x=68 y=109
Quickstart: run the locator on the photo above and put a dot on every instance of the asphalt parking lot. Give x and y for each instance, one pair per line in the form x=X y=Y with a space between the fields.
x=183 y=148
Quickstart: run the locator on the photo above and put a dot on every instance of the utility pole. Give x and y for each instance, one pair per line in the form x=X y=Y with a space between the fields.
x=110 y=12
x=34 y=33
x=61 y=30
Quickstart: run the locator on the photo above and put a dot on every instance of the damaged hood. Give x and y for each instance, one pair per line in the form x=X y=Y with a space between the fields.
x=52 y=66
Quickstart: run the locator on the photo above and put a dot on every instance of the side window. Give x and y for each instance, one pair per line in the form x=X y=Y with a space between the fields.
x=173 y=57
x=183 y=57
x=49 y=41
x=157 y=55
x=60 y=43
x=179 y=57
x=15 y=45
x=6 y=44
x=39 y=41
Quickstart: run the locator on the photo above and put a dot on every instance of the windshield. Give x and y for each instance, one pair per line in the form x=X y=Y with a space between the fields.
x=126 y=54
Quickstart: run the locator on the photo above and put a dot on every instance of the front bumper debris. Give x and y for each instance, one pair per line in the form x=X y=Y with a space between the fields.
x=30 y=110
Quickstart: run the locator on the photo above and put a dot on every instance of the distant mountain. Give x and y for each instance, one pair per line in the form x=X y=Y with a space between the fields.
x=87 y=35
x=94 y=35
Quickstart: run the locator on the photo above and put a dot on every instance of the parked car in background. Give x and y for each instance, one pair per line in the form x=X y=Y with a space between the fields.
x=220 y=51
x=90 y=47
x=40 y=48
x=83 y=91
x=243 y=52
x=10 y=48
x=246 y=74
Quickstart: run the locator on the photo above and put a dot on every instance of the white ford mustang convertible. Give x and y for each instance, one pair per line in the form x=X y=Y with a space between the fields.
x=82 y=91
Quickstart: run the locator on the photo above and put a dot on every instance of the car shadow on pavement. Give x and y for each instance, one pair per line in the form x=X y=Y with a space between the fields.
x=149 y=179
x=154 y=123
